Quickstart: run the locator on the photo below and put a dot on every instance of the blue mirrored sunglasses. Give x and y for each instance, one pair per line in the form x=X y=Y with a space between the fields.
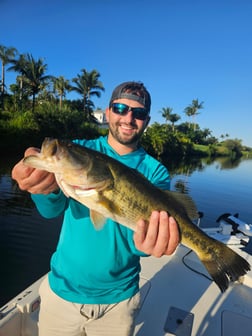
x=138 y=112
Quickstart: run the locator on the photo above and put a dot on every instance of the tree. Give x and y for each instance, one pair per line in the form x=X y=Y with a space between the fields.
x=166 y=112
x=155 y=138
x=20 y=95
x=61 y=85
x=193 y=109
x=169 y=116
x=173 y=119
x=33 y=74
x=88 y=85
x=17 y=65
x=222 y=136
x=234 y=147
x=6 y=56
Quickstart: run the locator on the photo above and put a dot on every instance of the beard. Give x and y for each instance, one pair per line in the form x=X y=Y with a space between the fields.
x=123 y=138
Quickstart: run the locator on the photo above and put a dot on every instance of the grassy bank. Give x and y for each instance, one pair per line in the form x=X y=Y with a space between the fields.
x=219 y=150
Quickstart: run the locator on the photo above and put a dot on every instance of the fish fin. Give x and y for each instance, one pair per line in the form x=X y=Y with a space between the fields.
x=97 y=219
x=36 y=161
x=109 y=205
x=225 y=265
x=187 y=202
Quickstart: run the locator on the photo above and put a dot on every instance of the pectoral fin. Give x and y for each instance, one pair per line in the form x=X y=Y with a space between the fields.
x=97 y=219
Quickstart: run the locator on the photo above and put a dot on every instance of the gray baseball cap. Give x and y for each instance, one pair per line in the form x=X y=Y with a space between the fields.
x=134 y=91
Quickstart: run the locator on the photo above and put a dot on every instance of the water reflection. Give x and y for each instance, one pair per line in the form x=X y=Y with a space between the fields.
x=186 y=169
x=181 y=186
x=226 y=163
x=218 y=187
x=13 y=201
x=27 y=240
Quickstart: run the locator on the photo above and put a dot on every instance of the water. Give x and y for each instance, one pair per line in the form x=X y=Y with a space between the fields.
x=27 y=240
x=219 y=188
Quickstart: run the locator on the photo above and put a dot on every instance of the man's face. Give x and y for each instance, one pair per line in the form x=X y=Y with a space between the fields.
x=126 y=129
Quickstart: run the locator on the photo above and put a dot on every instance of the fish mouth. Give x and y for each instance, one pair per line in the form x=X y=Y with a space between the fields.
x=81 y=191
x=70 y=189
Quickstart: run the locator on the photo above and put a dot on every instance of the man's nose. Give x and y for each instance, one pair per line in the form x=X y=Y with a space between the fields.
x=129 y=116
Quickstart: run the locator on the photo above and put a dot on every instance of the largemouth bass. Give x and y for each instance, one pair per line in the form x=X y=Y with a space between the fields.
x=112 y=190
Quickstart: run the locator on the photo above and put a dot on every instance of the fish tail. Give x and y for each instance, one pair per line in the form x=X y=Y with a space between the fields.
x=225 y=265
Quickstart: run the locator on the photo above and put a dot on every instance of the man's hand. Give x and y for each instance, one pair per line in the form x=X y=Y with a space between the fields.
x=35 y=181
x=159 y=237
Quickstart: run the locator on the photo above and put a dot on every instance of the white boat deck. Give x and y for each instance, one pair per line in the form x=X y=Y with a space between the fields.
x=176 y=300
x=184 y=303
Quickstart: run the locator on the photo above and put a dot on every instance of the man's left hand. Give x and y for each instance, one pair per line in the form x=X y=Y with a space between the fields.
x=158 y=237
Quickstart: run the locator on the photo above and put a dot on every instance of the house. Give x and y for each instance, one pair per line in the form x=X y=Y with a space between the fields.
x=100 y=118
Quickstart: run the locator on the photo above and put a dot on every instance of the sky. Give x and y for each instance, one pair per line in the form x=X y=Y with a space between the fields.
x=180 y=49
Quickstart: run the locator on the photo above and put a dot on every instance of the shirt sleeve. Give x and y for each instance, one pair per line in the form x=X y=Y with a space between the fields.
x=161 y=178
x=51 y=205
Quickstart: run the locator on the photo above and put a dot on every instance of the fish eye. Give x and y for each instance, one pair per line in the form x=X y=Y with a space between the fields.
x=54 y=149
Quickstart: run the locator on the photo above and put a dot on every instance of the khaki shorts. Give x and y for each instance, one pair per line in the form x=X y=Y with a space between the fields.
x=59 y=317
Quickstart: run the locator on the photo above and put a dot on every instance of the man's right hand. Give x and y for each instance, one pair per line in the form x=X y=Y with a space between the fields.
x=33 y=180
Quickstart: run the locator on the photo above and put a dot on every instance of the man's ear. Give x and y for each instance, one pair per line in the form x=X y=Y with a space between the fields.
x=147 y=121
x=107 y=114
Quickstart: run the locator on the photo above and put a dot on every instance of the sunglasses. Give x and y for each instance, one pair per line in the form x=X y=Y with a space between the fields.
x=122 y=109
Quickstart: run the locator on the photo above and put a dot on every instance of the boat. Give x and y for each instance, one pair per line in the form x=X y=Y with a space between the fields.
x=178 y=297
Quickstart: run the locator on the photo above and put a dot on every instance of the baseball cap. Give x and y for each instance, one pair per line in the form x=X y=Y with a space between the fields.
x=134 y=91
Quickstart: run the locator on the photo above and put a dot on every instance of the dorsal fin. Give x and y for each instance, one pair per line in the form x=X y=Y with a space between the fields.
x=187 y=203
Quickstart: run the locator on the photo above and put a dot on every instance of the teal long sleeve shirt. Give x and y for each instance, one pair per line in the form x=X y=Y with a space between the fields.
x=97 y=266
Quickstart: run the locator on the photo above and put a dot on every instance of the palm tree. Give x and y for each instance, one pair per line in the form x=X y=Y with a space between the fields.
x=174 y=118
x=61 y=85
x=88 y=85
x=33 y=74
x=206 y=132
x=19 y=64
x=6 y=56
x=166 y=112
x=169 y=116
x=192 y=110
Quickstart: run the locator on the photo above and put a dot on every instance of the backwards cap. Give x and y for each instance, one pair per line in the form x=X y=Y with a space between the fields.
x=134 y=91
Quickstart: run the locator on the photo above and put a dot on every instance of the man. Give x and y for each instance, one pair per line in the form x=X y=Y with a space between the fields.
x=92 y=288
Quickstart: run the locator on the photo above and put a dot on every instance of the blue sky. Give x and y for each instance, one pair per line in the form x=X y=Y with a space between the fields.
x=181 y=49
